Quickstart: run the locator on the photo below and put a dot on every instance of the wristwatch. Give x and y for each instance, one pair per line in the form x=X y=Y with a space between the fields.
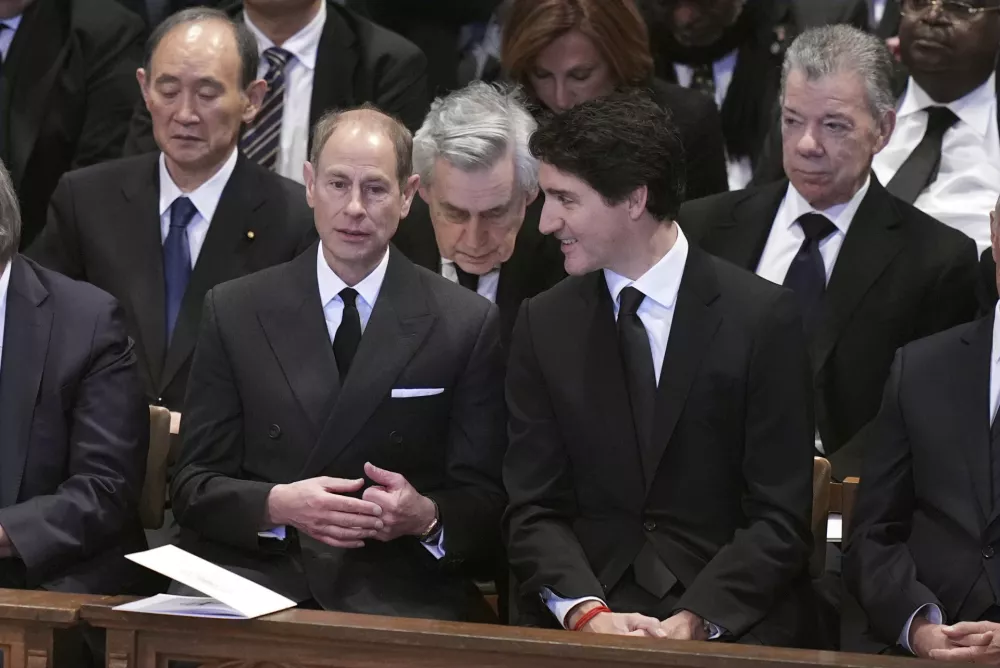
x=434 y=530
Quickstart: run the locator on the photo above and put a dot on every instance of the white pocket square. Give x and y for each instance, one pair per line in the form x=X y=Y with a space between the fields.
x=410 y=392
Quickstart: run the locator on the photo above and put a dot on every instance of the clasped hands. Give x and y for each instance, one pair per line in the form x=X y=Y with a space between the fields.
x=319 y=508
x=684 y=625
x=965 y=642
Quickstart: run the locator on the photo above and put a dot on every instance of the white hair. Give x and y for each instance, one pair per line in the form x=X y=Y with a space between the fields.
x=10 y=216
x=474 y=128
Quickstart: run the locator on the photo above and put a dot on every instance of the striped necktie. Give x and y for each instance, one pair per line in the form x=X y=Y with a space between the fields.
x=262 y=138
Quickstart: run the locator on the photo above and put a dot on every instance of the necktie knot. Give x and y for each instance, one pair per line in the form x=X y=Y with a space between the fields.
x=940 y=119
x=816 y=226
x=182 y=212
x=465 y=279
x=277 y=58
x=349 y=297
x=629 y=301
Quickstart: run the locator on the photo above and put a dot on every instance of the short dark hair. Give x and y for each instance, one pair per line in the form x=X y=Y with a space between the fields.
x=616 y=144
x=398 y=134
x=246 y=43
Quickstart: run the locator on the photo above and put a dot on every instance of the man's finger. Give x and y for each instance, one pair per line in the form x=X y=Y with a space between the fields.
x=343 y=533
x=380 y=476
x=378 y=496
x=351 y=521
x=646 y=624
x=974 y=639
x=340 y=485
x=333 y=542
x=965 y=628
x=347 y=504
x=956 y=654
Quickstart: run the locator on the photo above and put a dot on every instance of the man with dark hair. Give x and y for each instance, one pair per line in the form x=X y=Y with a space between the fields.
x=870 y=271
x=68 y=92
x=74 y=429
x=659 y=465
x=158 y=230
x=344 y=424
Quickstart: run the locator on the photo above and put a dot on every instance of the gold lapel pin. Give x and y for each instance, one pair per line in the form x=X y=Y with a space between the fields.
x=250 y=235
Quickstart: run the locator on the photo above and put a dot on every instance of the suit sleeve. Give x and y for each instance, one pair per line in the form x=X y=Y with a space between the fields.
x=953 y=298
x=206 y=491
x=57 y=247
x=470 y=508
x=544 y=552
x=401 y=85
x=108 y=428
x=740 y=584
x=878 y=567
x=112 y=93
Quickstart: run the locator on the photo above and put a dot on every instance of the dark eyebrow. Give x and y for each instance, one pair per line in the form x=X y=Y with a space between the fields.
x=555 y=192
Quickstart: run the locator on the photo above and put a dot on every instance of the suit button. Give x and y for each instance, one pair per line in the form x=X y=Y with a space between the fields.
x=274 y=431
x=988 y=552
x=395 y=438
x=159 y=401
x=649 y=525
x=604 y=587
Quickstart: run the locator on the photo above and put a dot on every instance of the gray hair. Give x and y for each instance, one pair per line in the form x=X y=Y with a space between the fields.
x=473 y=128
x=246 y=43
x=10 y=216
x=822 y=52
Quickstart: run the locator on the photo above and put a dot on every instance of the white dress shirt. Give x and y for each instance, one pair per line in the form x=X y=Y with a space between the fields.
x=740 y=170
x=786 y=236
x=878 y=10
x=660 y=285
x=205 y=199
x=968 y=181
x=299 y=75
x=7 y=35
x=4 y=284
x=488 y=282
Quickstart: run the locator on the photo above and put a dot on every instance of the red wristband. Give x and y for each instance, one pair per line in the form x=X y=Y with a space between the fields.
x=590 y=614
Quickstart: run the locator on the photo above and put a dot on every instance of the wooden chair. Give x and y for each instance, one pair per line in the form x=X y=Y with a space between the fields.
x=842 y=497
x=154 y=488
x=820 y=513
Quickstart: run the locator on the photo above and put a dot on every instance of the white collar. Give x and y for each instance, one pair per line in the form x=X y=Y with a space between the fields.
x=977 y=109
x=661 y=282
x=330 y=284
x=840 y=215
x=205 y=197
x=303 y=45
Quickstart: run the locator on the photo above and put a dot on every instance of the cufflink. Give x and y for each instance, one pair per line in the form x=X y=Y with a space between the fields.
x=250 y=235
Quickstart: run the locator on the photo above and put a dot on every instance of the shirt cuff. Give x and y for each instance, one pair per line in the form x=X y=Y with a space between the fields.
x=560 y=607
x=437 y=547
x=278 y=533
x=931 y=612
x=715 y=631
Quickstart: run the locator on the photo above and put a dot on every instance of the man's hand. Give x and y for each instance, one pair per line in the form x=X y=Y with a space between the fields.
x=926 y=637
x=316 y=507
x=405 y=512
x=973 y=642
x=615 y=623
x=6 y=547
x=685 y=625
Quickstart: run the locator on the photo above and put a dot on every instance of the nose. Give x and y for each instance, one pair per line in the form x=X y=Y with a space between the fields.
x=685 y=13
x=477 y=235
x=186 y=115
x=355 y=207
x=808 y=145
x=563 y=99
x=548 y=223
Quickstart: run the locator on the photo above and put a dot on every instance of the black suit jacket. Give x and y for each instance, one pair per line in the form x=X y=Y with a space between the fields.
x=356 y=62
x=67 y=92
x=924 y=526
x=900 y=275
x=104 y=228
x=265 y=406
x=535 y=265
x=74 y=432
x=723 y=497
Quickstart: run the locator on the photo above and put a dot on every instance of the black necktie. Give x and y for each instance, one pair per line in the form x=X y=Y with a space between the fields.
x=921 y=168
x=638 y=360
x=345 y=342
x=703 y=79
x=807 y=273
x=465 y=279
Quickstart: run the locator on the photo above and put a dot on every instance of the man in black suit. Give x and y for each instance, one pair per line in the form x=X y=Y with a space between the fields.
x=476 y=221
x=872 y=272
x=349 y=405
x=658 y=468
x=74 y=429
x=316 y=56
x=158 y=230
x=926 y=525
x=67 y=92
x=732 y=51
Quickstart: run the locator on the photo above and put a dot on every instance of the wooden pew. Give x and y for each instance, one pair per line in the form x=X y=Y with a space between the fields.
x=314 y=639
x=29 y=621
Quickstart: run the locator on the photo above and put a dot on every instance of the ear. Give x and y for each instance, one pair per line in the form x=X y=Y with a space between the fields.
x=140 y=76
x=886 y=126
x=254 y=93
x=424 y=194
x=637 y=202
x=410 y=189
x=309 y=176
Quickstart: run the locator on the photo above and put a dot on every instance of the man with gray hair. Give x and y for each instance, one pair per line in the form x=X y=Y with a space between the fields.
x=871 y=272
x=476 y=221
x=74 y=429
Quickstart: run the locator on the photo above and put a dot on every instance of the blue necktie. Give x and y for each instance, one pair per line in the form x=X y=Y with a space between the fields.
x=177 y=259
x=262 y=138
x=807 y=274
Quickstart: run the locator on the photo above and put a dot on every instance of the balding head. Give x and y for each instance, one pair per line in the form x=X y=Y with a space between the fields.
x=373 y=121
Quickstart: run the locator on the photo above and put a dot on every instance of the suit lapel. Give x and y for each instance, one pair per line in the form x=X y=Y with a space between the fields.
x=141 y=234
x=870 y=245
x=296 y=331
x=972 y=389
x=221 y=258
x=399 y=323
x=691 y=333
x=336 y=62
x=28 y=323
x=744 y=235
